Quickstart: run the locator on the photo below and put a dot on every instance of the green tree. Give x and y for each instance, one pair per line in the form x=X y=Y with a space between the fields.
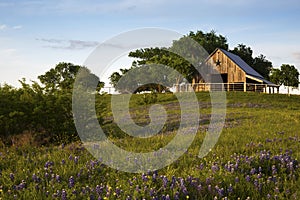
x=287 y=75
x=262 y=66
x=244 y=53
x=61 y=77
x=275 y=76
x=209 y=41
x=259 y=63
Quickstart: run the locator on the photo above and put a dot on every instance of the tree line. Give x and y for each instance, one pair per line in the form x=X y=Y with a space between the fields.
x=286 y=75
x=43 y=109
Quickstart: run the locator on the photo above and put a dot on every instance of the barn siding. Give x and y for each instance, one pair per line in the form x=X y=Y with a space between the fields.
x=234 y=73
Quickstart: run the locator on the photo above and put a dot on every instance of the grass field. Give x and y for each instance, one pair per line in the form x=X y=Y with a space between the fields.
x=256 y=157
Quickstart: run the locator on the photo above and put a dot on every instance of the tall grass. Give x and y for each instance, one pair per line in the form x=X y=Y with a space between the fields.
x=256 y=157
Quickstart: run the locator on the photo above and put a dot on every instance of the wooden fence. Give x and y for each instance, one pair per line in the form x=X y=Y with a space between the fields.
x=243 y=87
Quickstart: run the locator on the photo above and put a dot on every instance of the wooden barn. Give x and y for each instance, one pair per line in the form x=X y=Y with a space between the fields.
x=236 y=74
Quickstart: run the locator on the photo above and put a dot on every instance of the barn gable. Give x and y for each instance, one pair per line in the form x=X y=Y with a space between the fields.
x=234 y=72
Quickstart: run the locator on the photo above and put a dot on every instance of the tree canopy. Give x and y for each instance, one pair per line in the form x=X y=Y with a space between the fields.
x=259 y=63
x=45 y=110
x=287 y=75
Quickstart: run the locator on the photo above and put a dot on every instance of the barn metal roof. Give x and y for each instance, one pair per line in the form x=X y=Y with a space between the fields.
x=242 y=64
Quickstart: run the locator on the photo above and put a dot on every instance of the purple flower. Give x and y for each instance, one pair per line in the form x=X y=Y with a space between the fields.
x=221 y=192
x=22 y=185
x=57 y=177
x=176 y=197
x=118 y=191
x=253 y=171
x=99 y=189
x=167 y=197
x=144 y=177
x=237 y=179
x=248 y=178
x=151 y=192
x=71 y=182
x=165 y=181
x=230 y=189
x=63 y=195
x=214 y=168
x=209 y=188
x=76 y=158
x=12 y=176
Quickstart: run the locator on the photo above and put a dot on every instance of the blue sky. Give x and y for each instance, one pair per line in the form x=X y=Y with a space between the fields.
x=35 y=35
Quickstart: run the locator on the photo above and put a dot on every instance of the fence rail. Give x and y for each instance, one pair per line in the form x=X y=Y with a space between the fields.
x=265 y=88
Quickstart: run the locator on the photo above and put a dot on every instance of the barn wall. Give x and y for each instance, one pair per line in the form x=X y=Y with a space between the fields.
x=234 y=72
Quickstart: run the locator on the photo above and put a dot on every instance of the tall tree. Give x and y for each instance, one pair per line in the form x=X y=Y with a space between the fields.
x=61 y=77
x=290 y=76
x=287 y=75
x=259 y=63
x=209 y=41
x=275 y=76
x=262 y=66
x=244 y=53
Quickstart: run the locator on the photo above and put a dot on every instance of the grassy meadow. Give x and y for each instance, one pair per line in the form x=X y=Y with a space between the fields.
x=256 y=157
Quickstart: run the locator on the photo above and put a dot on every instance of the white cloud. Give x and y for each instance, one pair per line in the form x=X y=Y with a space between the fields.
x=3 y=26
x=68 y=44
x=17 y=27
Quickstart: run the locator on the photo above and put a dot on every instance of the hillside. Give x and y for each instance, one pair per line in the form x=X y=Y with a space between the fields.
x=256 y=157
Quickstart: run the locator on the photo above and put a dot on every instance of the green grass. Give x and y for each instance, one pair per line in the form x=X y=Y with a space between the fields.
x=261 y=132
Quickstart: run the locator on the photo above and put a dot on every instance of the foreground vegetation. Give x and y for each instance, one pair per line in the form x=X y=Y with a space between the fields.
x=256 y=157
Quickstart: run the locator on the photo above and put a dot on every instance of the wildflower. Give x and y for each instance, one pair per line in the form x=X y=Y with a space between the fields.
x=12 y=176
x=253 y=171
x=209 y=188
x=274 y=170
x=165 y=181
x=76 y=158
x=221 y=192
x=35 y=178
x=71 y=182
x=230 y=189
x=237 y=179
x=144 y=177
x=99 y=189
x=151 y=192
x=63 y=195
x=214 y=168
x=57 y=177
x=22 y=185
x=176 y=197
x=118 y=191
